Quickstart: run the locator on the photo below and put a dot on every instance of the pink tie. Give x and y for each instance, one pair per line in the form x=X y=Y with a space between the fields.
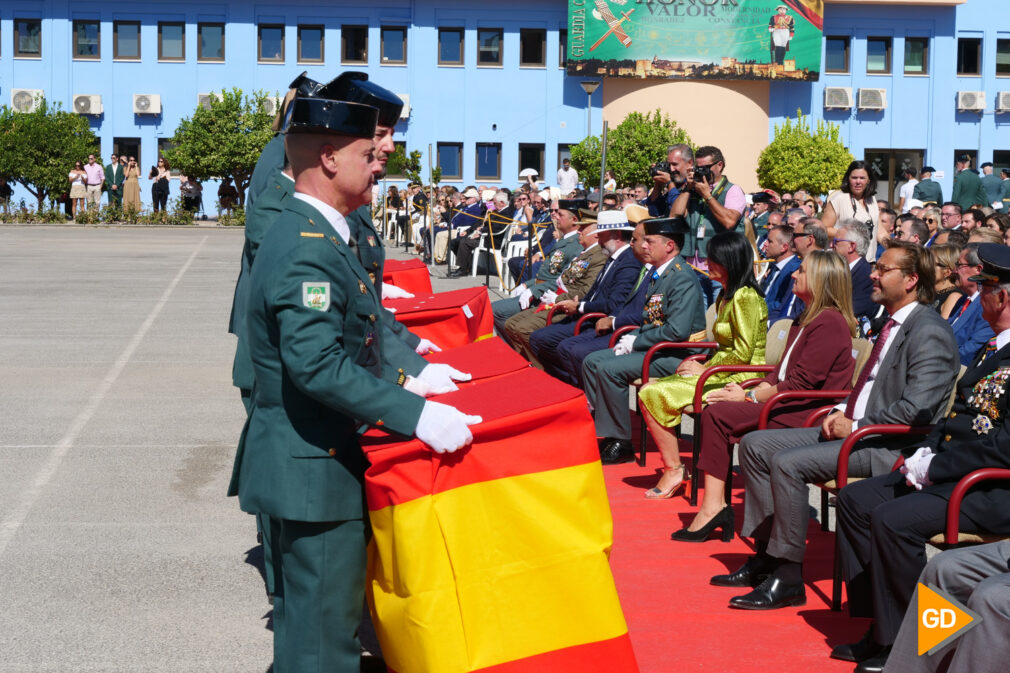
x=864 y=375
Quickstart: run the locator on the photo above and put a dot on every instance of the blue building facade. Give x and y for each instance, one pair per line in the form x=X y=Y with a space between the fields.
x=485 y=82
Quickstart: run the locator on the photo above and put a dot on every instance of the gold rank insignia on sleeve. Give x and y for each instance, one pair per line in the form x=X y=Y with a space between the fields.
x=361 y=286
x=677 y=267
x=312 y=234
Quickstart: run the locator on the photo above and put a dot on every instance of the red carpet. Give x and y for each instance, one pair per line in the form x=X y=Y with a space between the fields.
x=678 y=622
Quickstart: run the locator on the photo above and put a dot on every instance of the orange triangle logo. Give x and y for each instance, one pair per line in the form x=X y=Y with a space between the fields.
x=941 y=619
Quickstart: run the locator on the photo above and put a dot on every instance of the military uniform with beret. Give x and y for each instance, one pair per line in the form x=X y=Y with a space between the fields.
x=884 y=523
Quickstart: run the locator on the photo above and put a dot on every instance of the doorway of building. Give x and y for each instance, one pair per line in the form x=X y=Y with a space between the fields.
x=886 y=166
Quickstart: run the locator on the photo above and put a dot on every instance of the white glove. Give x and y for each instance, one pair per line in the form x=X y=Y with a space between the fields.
x=444 y=428
x=445 y=371
x=524 y=298
x=549 y=297
x=392 y=292
x=424 y=347
x=625 y=344
x=916 y=468
x=419 y=386
x=518 y=290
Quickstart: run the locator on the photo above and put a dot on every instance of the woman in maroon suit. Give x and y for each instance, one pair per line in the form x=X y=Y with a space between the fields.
x=818 y=356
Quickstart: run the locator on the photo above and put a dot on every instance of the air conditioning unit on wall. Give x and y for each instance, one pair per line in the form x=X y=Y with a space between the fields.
x=25 y=100
x=405 y=112
x=203 y=100
x=271 y=104
x=837 y=98
x=87 y=104
x=146 y=104
x=971 y=101
x=1003 y=101
x=872 y=99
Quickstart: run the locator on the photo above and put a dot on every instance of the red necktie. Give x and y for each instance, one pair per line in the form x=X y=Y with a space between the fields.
x=964 y=307
x=864 y=375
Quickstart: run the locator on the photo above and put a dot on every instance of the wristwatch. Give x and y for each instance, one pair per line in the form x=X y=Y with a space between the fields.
x=751 y=397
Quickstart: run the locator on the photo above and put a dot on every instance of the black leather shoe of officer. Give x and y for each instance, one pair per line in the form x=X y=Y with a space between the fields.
x=617 y=451
x=771 y=594
x=866 y=648
x=750 y=574
x=874 y=664
x=455 y=273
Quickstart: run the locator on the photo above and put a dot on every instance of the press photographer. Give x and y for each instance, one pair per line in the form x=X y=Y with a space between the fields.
x=710 y=202
x=667 y=178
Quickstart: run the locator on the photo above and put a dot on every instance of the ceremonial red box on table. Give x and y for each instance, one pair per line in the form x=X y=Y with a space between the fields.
x=494 y=559
x=409 y=274
x=483 y=360
x=449 y=319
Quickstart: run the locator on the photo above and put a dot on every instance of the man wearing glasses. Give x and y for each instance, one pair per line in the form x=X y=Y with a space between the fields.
x=970 y=328
x=950 y=216
x=851 y=244
x=906 y=380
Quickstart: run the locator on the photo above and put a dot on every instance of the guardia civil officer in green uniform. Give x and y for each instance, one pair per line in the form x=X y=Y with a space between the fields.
x=316 y=345
x=928 y=190
x=674 y=310
x=968 y=189
x=567 y=248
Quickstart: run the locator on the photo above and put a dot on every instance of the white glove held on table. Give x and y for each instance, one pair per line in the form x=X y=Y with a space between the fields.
x=421 y=387
x=916 y=468
x=425 y=347
x=393 y=292
x=444 y=428
x=625 y=344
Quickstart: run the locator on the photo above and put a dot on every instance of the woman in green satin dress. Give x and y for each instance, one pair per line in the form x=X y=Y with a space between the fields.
x=740 y=330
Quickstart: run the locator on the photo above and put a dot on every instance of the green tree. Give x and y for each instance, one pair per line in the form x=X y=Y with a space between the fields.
x=38 y=148
x=633 y=146
x=803 y=158
x=223 y=141
x=409 y=166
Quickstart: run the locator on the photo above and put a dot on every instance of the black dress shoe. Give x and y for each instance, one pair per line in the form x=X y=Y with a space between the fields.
x=771 y=594
x=617 y=451
x=724 y=521
x=866 y=648
x=874 y=664
x=750 y=574
x=455 y=273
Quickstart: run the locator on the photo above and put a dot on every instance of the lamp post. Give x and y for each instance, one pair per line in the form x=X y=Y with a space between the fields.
x=589 y=86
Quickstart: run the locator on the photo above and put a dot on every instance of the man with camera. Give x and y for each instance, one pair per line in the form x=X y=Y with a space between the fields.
x=709 y=201
x=667 y=175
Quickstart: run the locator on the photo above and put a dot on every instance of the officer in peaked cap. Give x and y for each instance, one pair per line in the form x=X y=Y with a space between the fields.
x=316 y=344
x=995 y=260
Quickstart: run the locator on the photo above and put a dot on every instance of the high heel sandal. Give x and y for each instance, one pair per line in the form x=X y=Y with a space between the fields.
x=724 y=520
x=655 y=494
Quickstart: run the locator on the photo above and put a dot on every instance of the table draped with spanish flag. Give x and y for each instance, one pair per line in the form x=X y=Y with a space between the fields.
x=494 y=559
x=408 y=274
x=449 y=319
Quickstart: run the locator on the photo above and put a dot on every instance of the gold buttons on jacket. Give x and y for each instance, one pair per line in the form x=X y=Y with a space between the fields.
x=946 y=438
x=952 y=414
x=375 y=265
x=372 y=317
x=380 y=423
x=333 y=452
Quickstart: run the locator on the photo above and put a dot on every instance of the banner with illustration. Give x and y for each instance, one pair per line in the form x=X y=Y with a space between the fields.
x=696 y=39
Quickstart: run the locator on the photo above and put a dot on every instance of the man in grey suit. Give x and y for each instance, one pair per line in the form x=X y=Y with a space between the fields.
x=906 y=380
x=674 y=310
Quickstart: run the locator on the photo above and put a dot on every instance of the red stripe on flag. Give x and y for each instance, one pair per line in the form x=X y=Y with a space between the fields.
x=607 y=656
x=483 y=359
x=531 y=423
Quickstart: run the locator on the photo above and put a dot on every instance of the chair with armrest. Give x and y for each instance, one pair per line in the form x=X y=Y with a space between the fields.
x=952 y=536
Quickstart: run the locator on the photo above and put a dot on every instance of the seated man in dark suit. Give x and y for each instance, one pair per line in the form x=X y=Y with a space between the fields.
x=884 y=522
x=619 y=275
x=525 y=266
x=970 y=327
x=777 y=283
x=497 y=220
x=907 y=379
x=851 y=242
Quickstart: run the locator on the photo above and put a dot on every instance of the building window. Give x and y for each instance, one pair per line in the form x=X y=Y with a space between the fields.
x=86 y=40
x=354 y=44
x=128 y=147
x=27 y=38
x=531 y=155
x=488 y=161
x=399 y=147
x=916 y=55
x=836 y=54
x=163 y=145
x=1003 y=58
x=126 y=40
x=393 y=45
x=450 y=46
x=562 y=48
x=878 y=55
x=489 y=46
x=532 y=47
x=310 y=44
x=172 y=41
x=969 y=56
x=1000 y=160
x=271 y=43
x=450 y=160
x=210 y=41
x=564 y=152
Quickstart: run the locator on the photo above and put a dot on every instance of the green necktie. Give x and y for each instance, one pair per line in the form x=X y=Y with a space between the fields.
x=638 y=283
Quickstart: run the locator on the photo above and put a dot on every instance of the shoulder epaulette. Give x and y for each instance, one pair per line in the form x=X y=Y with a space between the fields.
x=312 y=234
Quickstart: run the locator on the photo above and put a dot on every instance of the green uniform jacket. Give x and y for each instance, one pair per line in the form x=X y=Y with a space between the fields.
x=372 y=253
x=968 y=189
x=674 y=307
x=928 y=191
x=259 y=218
x=580 y=275
x=992 y=186
x=316 y=348
x=1005 y=195
x=271 y=160
x=557 y=261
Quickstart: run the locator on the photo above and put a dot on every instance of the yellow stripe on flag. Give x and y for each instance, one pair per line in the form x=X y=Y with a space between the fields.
x=498 y=570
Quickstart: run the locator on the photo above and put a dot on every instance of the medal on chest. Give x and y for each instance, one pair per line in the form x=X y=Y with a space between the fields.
x=654 y=310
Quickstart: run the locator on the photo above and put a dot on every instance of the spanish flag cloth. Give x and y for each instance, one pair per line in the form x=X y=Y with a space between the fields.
x=494 y=559
x=450 y=319
x=409 y=274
